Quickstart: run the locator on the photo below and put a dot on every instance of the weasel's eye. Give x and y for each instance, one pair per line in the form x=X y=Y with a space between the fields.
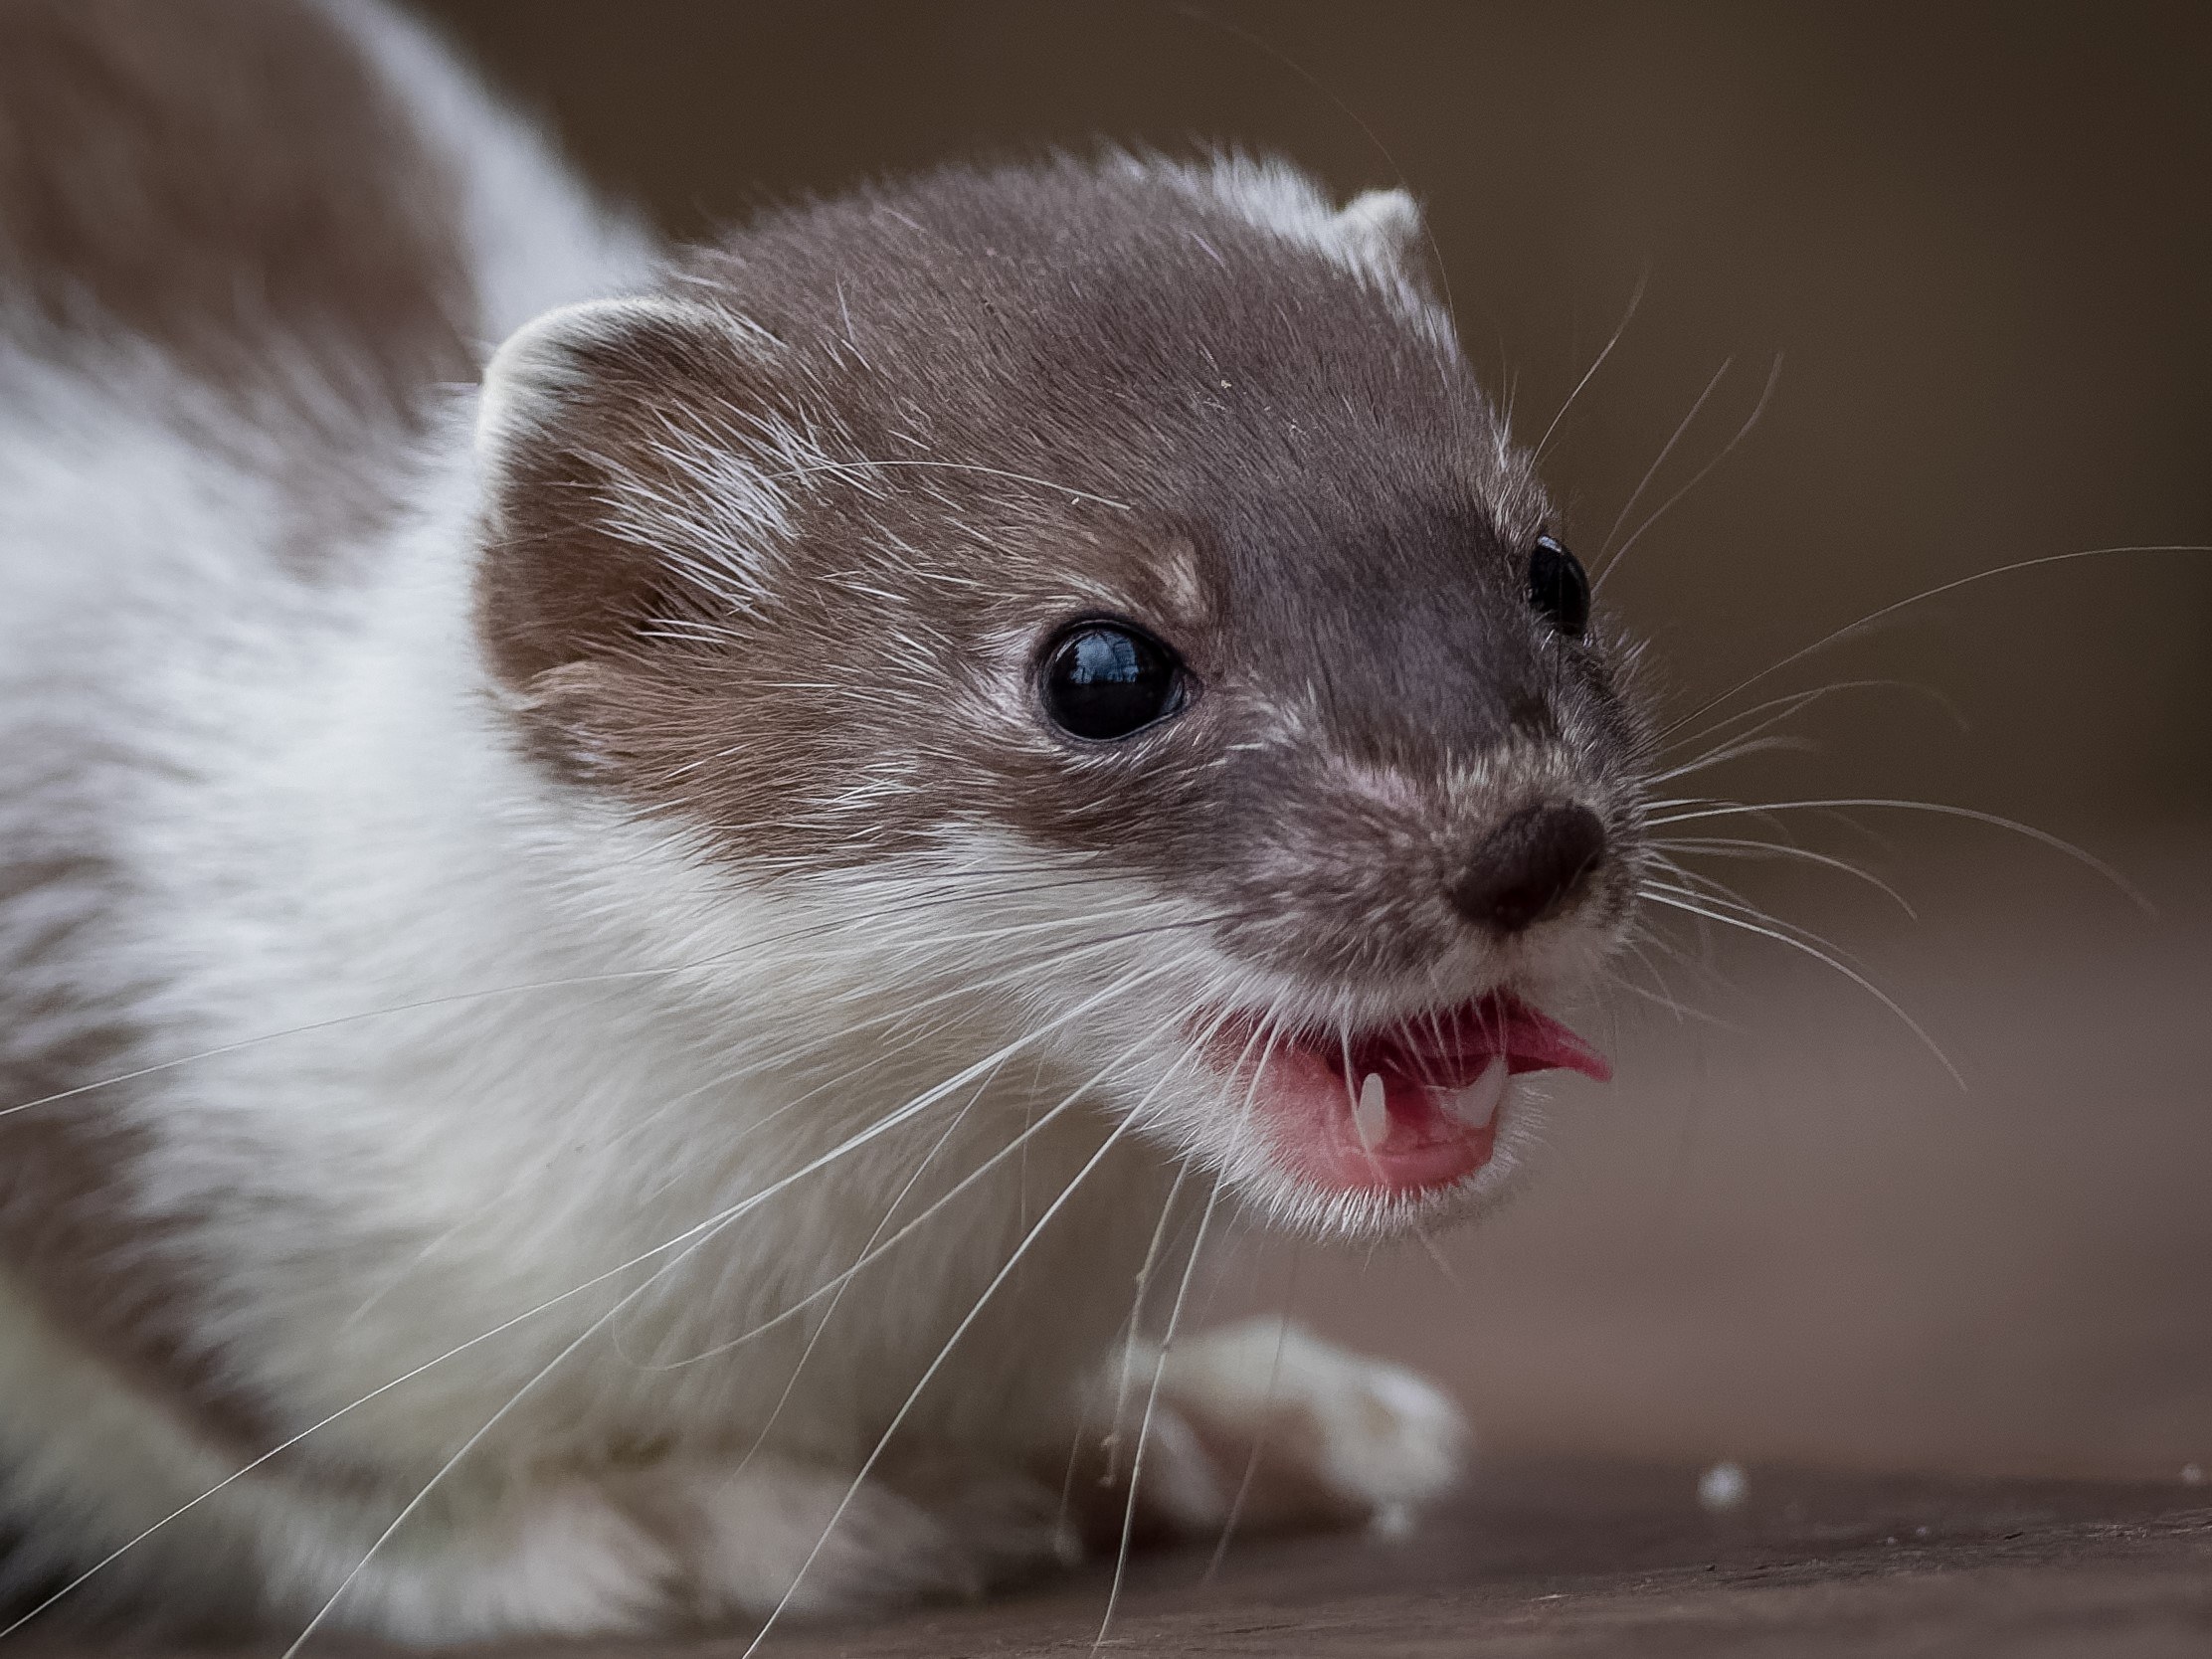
x=1558 y=587
x=1104 y=680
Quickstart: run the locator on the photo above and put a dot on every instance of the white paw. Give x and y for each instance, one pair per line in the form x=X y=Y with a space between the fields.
x=559 y=1558
x=1290 y=1433
x=780 y=1534
x=676 y=1544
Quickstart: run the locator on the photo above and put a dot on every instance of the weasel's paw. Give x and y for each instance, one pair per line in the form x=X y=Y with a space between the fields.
x=777 y=1535
x=672 y=1546
x=1289 y=1433
x=559 y=1558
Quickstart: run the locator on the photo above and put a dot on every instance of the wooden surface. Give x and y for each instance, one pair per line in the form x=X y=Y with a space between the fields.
x=1565 y=1559
x=1554 y=1559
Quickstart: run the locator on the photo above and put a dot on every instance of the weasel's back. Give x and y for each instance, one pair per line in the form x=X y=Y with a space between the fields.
x=247 y=249
x=274 y=193
x=231 y=182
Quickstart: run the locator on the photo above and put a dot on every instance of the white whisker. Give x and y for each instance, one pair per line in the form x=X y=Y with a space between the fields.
x=1846 y=971
x=966 y=1322
x=1973 y=815
x=699 y=1231
x=1726 y=847
x=1628 y=507
x=1848 y=629
x=1773 y=377
x=1151 y=1402
x=1635 y=298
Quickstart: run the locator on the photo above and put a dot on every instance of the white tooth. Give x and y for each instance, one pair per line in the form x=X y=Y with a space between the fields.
x=1477 y=1103
x=1371 y=1116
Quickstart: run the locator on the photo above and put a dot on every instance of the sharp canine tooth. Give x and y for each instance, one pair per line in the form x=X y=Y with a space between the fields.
x=1370 y=1117
x=1477 y=1103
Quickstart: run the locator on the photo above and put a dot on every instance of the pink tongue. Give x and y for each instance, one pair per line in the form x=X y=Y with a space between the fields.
x=1453 y=1050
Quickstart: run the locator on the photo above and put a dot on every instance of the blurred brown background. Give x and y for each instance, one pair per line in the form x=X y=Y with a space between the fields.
x=1977 y=239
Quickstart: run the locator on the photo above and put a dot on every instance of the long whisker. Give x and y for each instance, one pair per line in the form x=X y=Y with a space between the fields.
x=1793 y=701
x=1736 y=751
x=1973 y=815
x=1681 y=1010
x=1019 y=1142
x=520 y=1191
x=1727 y=847
x=710 y=1225
x=705 y=1232
x=1708 y=889
x=1143 y=1426
x=1871 y=618
x=1773 y=377
x=1259 y=1441
x=1628 y=507
x=813 y=1341
x=414 y=1504
x=1635 y=299
x=966 y=1322
x=1128 y=1377
x=1437 y=1256
x=1849 y=973
x=452 y=999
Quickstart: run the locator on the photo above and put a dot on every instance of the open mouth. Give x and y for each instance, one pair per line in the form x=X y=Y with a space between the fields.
x=1403 y=1108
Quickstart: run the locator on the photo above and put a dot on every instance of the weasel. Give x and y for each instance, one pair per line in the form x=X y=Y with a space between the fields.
x=642 y=889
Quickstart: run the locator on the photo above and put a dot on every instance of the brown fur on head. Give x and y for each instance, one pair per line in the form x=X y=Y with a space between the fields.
x=778 y=548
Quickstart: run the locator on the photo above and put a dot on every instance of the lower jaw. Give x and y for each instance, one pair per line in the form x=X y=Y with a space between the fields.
x=1424 y=1151
x=1406 y=1115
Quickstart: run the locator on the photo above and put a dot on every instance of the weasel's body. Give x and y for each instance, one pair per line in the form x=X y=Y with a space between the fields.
x=486 y=965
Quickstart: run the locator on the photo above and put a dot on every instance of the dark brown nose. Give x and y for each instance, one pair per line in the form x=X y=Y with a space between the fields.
x=1530 y=868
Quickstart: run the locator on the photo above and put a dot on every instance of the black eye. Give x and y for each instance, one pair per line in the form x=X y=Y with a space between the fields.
x=1104 y=680
x=1558 y=587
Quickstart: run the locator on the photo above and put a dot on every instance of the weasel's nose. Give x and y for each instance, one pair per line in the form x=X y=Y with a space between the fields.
x=1530 y=868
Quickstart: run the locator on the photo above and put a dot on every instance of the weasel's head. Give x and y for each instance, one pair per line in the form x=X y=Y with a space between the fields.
x=1088 y=618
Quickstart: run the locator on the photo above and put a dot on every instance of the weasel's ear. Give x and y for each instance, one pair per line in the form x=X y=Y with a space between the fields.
x=1385 y=225
x=620 y=445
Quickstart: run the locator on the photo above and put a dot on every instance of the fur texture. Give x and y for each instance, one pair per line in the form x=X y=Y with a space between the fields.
x=575 y=1057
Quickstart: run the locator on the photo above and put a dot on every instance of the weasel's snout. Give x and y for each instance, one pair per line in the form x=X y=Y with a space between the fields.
x=1530 y=868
